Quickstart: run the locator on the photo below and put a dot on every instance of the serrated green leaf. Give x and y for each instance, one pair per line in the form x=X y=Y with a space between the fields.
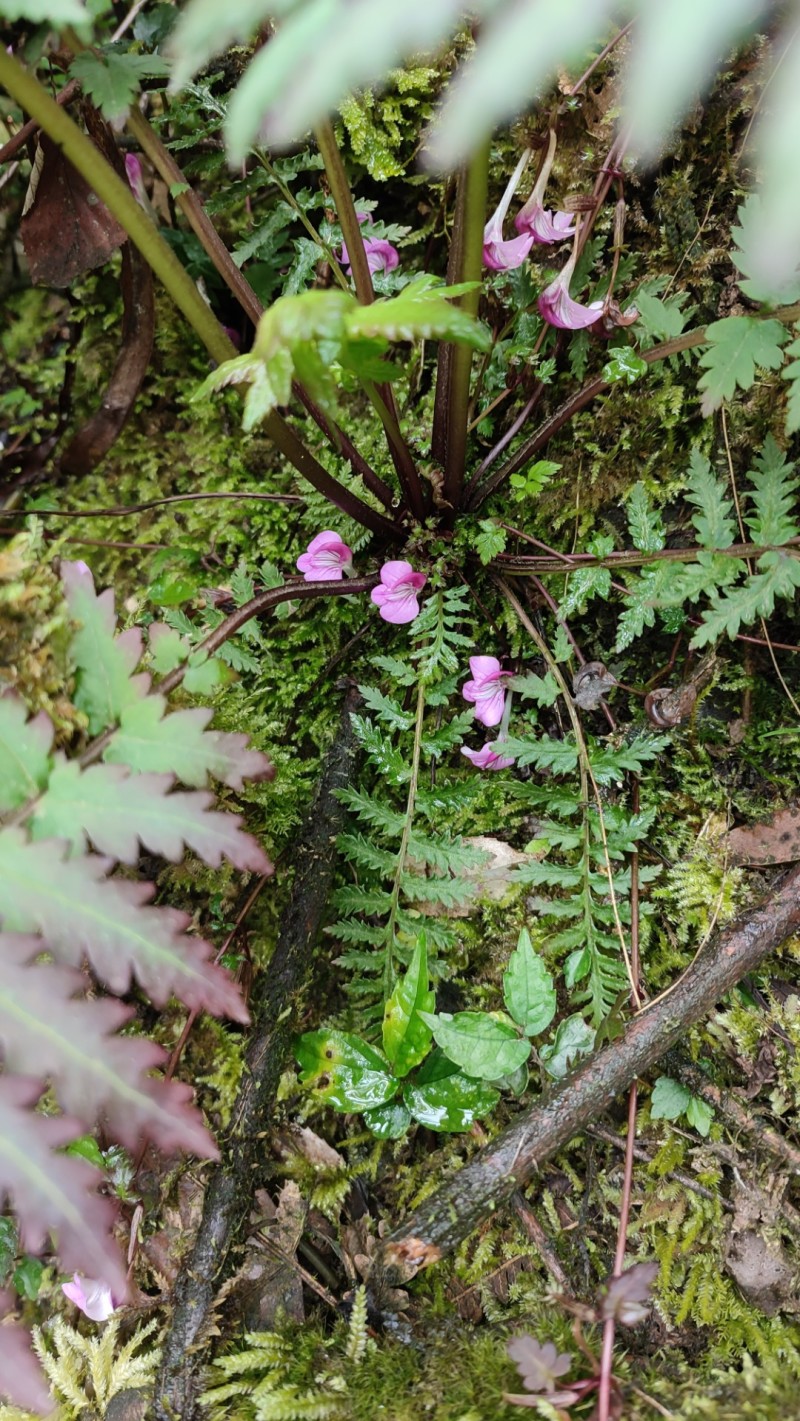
x=774 y=489
x=528 y=989
x=700 y=1116
x=490 y=541
x=669 y=1099
x=753 y=257
x=481 y=1045
x=105 y=662
x=644 y=523
x=778 y=576
x=344 y=1071
x=420 y=312
x=113 y=80
x=180 y=744
x=590 y=582
x=573 y=1039
x=739 y=344
x=714 y=520
x=542 y=689
x=24 y=752
x=406 y=1036
x=625 y=367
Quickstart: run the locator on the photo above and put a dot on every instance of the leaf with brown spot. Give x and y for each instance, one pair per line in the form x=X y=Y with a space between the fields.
x=777 y=840
x=66 y=229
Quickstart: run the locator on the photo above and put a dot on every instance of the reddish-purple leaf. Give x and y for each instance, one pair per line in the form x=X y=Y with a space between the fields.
x=627 y=1298
x=80 y=912
x=538 y=1363
x=21 y=1379
x=118 y=810
x=53 y=1191
x=46 y=1030
x=180 y=744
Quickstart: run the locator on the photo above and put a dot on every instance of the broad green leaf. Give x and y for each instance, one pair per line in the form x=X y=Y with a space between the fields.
x=344 y=1071
x=119 y=811
x=28 y=1277
x=406 y=1037
x=662 y=320
x=625 y=367
x=481 y=1045
x=180 y=744
x=528 y=989
x=445 y=1099
x=205 y=674
x=699 y=1115
x=311 y=316
x=388 y=1122
x=573 y=1039
x=51 y=12
x=738 y=345
x=80 y=912
x=105 y=662
x=714 y=520
x=113 y=80
x=669 y=1099
x=87 y=1148
x=421 y=311
x=24 y=752
x=168 y=648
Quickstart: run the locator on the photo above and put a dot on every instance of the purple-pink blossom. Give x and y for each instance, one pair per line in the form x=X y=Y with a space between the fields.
x=537 y=221
x=381 y=255
x=326 y=558
x=396 y=597
x=488 y=758
x=486 y=689
x=557 y=307
x=500 y=254
x=133 y=170
x=91 y=1296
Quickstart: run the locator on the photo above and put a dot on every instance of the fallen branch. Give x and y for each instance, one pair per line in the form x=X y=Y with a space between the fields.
x=503 y=1166
x=230 y=1192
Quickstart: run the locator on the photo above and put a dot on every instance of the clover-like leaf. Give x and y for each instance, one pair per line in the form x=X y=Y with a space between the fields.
x=344 y=1071
x=528 y=989
x=481 y=1044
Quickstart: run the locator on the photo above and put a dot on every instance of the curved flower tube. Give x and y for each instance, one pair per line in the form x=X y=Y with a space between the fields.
x=498 y=254
x=537 y=221
x=487 y=758
x=326 y=558
x=396 y=597
x=91 y=1296
x=557 y=307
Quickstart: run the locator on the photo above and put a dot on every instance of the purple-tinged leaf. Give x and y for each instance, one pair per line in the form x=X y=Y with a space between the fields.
x=80 y=912
x=21 y=1379
x=118 y=811
x=538 y=1363
x=627 y=1298
x=46 y=1030
x=105 y=662
x=24 y=752
x=51 y=1190
x=180 y=744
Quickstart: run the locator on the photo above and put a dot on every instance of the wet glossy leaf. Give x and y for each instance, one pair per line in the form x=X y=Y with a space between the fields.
x=406 y=1037
x=445 y=1099
x=573 y=1039
x=481 y=1045
x=388 y=1122
x=344 y=1071
x=528 y=989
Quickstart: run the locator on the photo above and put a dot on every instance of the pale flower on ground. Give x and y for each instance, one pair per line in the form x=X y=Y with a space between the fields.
x=396 y=597
x=486 y=689
x=488 y=758
x=91 y=1296
x=326 y=558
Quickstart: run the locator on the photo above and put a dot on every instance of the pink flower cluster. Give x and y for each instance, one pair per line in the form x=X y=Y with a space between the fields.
x=534 y=223
x=327 y=559
x=487 y=692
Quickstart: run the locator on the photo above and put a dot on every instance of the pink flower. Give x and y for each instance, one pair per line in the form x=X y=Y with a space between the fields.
x=534 y=219
x=381 y=255
x=557 y=307
x=486 y=689
x=487 y=758
x=133 y=169
x=500 y=255
x=396 y=598
x=325 y=559
x=91 y=1296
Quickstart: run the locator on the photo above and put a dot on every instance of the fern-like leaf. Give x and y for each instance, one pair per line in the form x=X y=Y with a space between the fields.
x=24 y=752
x=106 y=663
x=180 y=744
